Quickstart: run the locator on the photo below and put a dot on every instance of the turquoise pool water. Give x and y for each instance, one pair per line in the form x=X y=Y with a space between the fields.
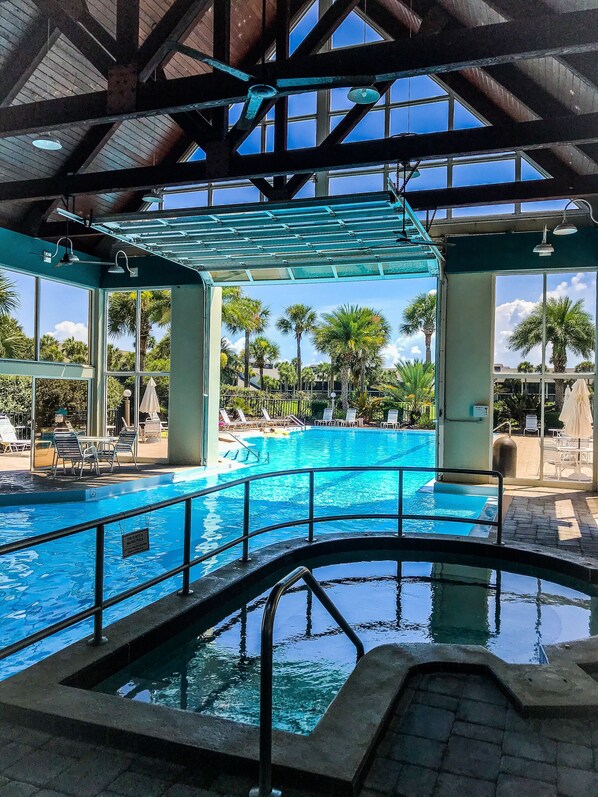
x=215 y=670
x=41 y=586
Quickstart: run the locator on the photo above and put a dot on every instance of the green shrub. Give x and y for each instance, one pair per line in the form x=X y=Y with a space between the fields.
x=317 y=408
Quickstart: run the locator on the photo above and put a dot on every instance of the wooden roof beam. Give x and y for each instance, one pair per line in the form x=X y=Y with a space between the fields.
x=475 y=141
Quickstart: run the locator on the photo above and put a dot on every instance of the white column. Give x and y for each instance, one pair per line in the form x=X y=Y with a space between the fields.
x=98 y=360
x=468 y=366
x=194 y=375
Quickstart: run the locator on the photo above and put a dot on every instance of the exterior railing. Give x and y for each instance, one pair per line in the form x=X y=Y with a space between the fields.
x=264 y=788
x=101 y=603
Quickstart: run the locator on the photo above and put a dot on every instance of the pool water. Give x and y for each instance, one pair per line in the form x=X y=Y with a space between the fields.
x=215 y=670
x=43 y=585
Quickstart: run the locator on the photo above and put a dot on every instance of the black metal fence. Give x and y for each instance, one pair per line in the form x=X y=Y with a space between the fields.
x=101 y=602
x=275 y=406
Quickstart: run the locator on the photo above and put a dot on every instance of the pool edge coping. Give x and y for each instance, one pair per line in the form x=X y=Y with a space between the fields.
x=51 y=691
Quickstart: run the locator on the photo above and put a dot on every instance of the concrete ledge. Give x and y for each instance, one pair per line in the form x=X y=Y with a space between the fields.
x=55 y=692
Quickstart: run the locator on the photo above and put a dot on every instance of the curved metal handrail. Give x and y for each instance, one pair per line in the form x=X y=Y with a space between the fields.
x=101 y=603
x=264 y=788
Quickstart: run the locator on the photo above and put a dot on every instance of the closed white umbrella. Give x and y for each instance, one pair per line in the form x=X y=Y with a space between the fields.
x=566 y=406
x=149 y=402
x=578 y=422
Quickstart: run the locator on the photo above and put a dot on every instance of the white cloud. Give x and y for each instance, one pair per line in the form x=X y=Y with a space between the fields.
x=237 y=346
x=390 y=355
x=576 y=285
x=416 y=350
x=70 y=329
x=402 y=348
x=508 y=315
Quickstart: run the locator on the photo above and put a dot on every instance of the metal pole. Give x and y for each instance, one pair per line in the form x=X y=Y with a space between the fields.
x=400 y=520
x=310 y=537
x=98 y=638
x=499 y=511
x=184 y=591
x=245 y=557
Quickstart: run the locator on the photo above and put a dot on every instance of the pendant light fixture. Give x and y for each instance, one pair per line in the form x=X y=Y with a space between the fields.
x=69 y=257
x=567 y=227
x=153 y=196
x=364 y=95
x=544 y=249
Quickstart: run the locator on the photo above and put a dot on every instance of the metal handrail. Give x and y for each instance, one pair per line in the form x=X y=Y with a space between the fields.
x=101 y=603
x=245 y=446
x=507 y=424
x=264 y=789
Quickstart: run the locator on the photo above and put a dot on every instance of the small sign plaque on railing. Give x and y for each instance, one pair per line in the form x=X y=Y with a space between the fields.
x=135 y=542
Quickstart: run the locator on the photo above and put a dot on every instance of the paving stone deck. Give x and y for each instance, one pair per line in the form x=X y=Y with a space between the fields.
x=451 y=736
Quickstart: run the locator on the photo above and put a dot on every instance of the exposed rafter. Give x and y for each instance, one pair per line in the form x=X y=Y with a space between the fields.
x=39 y=37
x=477 y=141
x=453 y=51
x=96 y=45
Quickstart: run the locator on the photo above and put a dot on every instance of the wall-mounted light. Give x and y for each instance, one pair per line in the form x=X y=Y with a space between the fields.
x=68 y=258
x=567 y=227
x=544 y=249
x=116 y=267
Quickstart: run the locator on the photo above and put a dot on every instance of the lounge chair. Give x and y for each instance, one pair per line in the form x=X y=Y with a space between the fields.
x=326 y=419
x=8 y=437
x=531 y=425
x=152 y=430
x=244 y=422
x=350 y=418
x=124 y=445
x=274 y=421
x=68 y=449
x=227 y=421
x=392 y=420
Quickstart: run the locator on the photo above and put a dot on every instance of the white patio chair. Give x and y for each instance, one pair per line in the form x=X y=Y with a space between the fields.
x=8 y=437
x=392 y=420
x=350 y=418
x=152 y=430
x=244 y=422
x=124 y=445
x=531 y=425
x=227 y=421
x=68 y=449
x=274 y=421
x=326 y=419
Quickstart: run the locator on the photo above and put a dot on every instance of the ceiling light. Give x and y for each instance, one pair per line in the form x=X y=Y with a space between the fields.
x=153 y=196
x=544 y=249
x=363 y=95
x=46 y=142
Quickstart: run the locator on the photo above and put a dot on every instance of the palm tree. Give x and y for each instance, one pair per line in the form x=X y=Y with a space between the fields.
x=347 y=334
x=411 y=386
x=568 y=326
x=14 y=343
x=9 y=298
x=298 y=319
x=287 y=374
x=263 y=351
x=375 y=335
x=250 y=317
x=122 y=316
x=420 y=316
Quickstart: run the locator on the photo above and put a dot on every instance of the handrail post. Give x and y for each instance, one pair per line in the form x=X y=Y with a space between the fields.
x=185 y=589
x=499 y=510
x=264 y=789
x=98 y=600
x=245 y=557
x=400 y=509
x=310 y=536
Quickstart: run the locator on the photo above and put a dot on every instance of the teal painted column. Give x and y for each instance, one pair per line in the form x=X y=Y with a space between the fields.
x=194 y=375
x=467 y=370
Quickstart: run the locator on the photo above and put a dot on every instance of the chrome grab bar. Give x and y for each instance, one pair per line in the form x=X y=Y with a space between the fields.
x=504 y=423
x=297 y=421
x=264 y=789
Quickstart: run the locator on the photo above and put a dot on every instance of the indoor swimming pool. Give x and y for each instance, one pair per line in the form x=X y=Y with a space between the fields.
x=214 y=669
x=43 y=585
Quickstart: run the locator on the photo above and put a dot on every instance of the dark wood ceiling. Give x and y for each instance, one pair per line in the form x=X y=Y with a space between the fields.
x=57 y=48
